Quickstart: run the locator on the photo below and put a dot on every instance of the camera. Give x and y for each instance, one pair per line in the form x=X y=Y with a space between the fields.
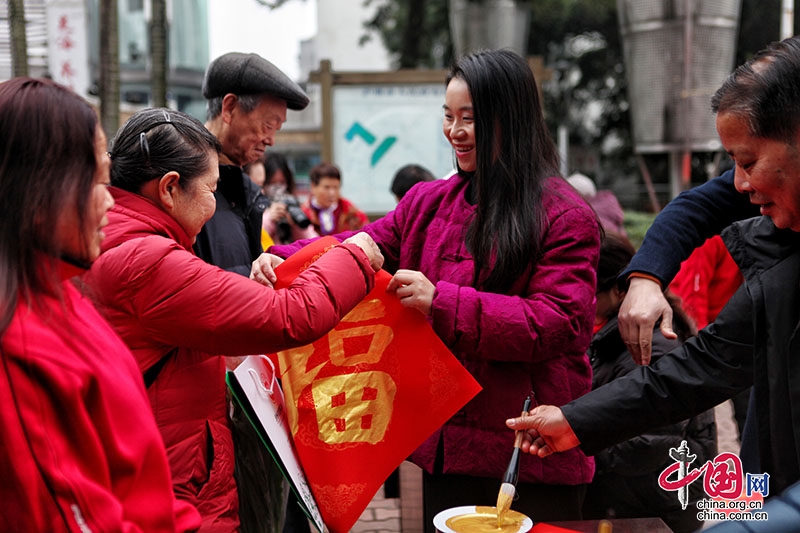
x=279 y=194
x=295 y=211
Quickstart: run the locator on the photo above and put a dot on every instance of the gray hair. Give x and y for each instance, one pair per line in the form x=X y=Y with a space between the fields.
x=763 y=92
x=247 y=102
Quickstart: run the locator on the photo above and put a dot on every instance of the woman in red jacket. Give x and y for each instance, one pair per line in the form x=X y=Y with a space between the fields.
x=79 y=449
x=179 y=314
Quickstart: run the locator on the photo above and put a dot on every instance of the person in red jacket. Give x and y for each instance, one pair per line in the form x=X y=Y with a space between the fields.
x=79 y=449
x=706 y=281
x=180 y=315
x=329 y=212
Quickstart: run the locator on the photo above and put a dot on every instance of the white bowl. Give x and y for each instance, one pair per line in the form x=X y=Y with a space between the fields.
x=440 y=520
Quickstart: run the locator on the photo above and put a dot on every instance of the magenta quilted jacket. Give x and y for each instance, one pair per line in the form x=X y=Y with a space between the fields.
x=533 y=338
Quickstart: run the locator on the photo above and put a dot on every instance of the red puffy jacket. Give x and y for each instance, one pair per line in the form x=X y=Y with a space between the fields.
x=79 y=449
x=706 y=281
x=162 y=299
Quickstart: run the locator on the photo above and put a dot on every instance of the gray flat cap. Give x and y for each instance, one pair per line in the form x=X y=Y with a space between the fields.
x=239 y=73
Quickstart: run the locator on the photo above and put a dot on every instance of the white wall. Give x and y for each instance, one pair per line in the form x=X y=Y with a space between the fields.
x=275 y=34
x=340 y=25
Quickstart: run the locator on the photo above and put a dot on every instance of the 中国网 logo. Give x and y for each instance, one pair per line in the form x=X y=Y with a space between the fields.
x=732 y=493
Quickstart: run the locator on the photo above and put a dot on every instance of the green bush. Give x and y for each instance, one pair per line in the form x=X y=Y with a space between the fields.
x=636 y=225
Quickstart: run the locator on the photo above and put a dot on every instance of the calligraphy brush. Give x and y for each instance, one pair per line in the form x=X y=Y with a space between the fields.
x=508 y=489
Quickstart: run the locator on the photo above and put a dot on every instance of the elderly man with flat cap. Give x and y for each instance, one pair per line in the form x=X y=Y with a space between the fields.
x=247 y=98
x=247 y=101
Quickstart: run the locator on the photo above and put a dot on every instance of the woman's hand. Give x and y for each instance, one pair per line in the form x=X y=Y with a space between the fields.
x=263 y=269
x=547 y=431
x=414 y=290
x=364 y=241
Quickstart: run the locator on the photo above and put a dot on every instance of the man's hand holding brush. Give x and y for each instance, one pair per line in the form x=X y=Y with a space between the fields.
x=508 y=488
x=547 y=431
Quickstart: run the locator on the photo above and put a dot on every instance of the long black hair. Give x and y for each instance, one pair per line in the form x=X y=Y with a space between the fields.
x=515 y=154
x=47 y=166
x=273 y=162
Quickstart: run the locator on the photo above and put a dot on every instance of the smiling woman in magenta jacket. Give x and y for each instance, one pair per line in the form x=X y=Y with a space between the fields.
x=179 y=314
x=502 y=258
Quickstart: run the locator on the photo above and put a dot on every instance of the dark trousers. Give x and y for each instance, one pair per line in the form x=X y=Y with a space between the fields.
x=542 y=503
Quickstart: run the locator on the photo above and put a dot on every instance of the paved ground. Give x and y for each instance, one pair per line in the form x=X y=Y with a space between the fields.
x=395 y=515
x=727 y=431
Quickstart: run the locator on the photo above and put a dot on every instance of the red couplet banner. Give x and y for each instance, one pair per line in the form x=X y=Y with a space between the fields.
x=363 y=397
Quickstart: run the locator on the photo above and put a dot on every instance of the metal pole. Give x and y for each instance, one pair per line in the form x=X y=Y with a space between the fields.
x=326 y=87
x=787 y=19
x=563 y=148
x=686 y=160
x=648 y=182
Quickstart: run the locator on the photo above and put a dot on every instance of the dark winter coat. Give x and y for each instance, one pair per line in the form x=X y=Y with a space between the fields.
x=754 y=341
x=231 y=240
x=685 y=224
x=626 y=476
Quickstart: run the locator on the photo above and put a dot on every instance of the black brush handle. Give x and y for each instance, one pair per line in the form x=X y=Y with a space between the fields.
x=512 y=472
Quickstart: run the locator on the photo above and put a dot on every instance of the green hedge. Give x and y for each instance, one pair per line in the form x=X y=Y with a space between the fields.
x=636 y=224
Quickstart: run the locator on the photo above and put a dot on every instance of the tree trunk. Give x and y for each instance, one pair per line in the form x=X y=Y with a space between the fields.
x=409 y=51
x=109 y=66
x=158 y=53
x=19 y=41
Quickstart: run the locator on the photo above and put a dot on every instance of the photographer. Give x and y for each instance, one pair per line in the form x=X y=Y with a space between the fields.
x=284 y=221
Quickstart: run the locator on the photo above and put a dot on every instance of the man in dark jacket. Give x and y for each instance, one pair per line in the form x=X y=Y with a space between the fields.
x=754 y=340
x=684 y=224
x=247 y=101
x=625 y=483
x=247 y=98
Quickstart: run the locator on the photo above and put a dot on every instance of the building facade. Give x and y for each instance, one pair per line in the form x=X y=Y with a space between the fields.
x=63 y=38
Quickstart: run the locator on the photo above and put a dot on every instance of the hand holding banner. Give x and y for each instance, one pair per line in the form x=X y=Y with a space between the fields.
x=366 y=395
